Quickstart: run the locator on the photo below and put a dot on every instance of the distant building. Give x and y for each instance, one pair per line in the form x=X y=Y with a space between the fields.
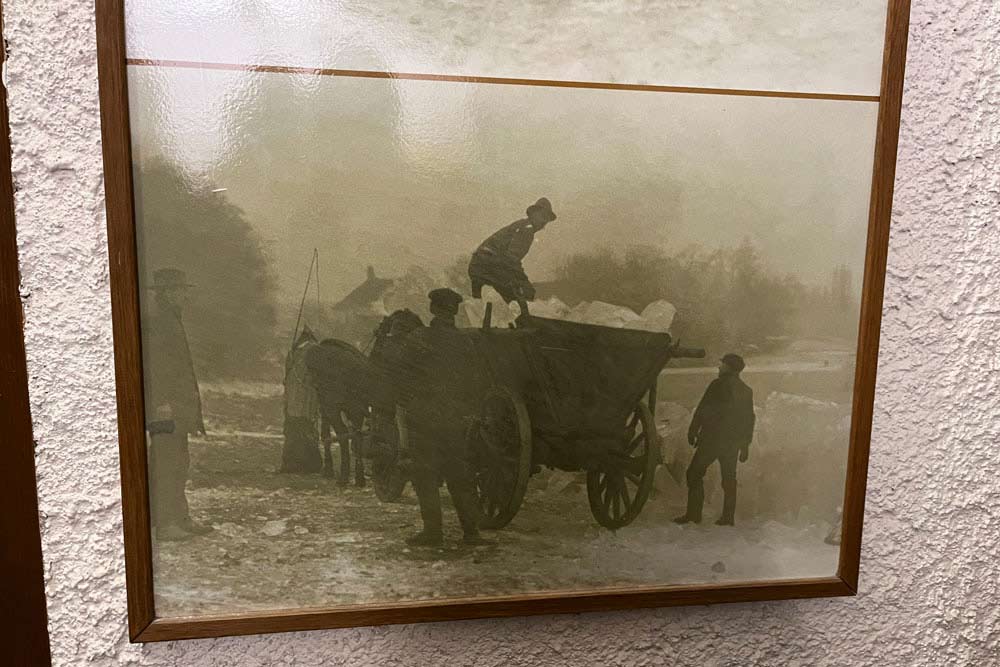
x=364 y=297
x=355 y=317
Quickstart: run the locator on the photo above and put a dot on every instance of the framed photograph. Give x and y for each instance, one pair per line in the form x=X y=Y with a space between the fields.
x=431 y=311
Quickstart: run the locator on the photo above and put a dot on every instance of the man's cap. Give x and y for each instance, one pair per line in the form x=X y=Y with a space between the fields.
x=446 y=299
x=169 y=279
x=544 y=206
x=734 y=361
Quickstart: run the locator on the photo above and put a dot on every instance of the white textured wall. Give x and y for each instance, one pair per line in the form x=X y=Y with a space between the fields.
x=931 y=562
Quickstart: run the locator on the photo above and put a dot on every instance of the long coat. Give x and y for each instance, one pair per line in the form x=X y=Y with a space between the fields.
x=724 y=417
x=169 y=372
x=436 y=375
x=300 y=394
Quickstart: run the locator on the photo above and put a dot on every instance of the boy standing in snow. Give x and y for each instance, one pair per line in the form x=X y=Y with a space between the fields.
x=721 y=430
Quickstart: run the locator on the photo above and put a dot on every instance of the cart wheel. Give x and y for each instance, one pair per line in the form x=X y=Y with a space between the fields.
x=503 y=457
x=618 y=492
x=388 y=476
x=389 y=481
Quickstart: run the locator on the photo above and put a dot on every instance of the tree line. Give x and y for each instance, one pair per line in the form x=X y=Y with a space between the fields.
x=726 y=298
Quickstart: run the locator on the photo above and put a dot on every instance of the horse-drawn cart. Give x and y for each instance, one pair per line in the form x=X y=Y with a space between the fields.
x=575 y=397
x=566 y=395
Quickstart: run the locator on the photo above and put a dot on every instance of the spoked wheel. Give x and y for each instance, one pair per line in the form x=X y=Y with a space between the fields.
x=618 y=491
x=502 y=443
x=389 y=480
x=388 y=476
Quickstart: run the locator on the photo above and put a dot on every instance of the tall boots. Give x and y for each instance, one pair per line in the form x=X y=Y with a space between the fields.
x=696 y=501
x=728 y=503
x=429 y=498
x=462 y=497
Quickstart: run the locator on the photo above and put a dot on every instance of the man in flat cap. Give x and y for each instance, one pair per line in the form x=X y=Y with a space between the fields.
x=173 y=406
x=721 y=430
x=438 y=368
x=497 y=260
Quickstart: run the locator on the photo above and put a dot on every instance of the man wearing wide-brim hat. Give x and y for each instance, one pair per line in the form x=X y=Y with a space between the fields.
x=497 y=260
x=173 y=405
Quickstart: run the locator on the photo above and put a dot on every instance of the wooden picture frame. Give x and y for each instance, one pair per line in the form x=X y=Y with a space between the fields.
x=144 y=625
x=24 y=610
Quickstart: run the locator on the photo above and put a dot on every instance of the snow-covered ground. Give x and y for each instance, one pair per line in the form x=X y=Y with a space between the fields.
x=300 y=541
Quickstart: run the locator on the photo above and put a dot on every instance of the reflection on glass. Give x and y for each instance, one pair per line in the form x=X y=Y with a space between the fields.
x=807 y=45
x=296 y=234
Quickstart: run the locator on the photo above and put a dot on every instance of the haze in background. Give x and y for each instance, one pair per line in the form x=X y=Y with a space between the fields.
x=397 y=173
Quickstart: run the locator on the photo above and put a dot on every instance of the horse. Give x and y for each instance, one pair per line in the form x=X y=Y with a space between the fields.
x=352 y=386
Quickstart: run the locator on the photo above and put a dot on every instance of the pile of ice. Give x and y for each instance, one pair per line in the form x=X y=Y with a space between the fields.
x=472 y=311
x=657 y=316
x=672 y=421
x=552 y=308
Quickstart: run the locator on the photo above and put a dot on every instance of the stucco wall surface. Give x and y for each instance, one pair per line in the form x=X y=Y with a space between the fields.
x=931 y=562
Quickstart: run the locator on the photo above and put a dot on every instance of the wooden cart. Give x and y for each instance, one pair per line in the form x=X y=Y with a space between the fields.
x=565 y=395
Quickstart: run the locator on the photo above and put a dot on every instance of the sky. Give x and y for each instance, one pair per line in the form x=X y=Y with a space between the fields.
x=395 y=173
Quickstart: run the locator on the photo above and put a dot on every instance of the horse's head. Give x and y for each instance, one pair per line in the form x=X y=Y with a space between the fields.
x=394 y=328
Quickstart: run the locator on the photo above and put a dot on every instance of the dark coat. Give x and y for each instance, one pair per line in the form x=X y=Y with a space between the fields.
x=497 y=260
x=169 y=372
x=513 y=241
x=436 y=373
x=725 y=416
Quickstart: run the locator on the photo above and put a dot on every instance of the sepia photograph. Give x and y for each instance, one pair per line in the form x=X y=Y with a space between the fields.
x=414 y=331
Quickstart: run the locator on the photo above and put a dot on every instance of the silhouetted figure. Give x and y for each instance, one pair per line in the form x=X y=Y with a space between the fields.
x=173 y=406
x=497 y=260
x=301 y=428
x=721 y=430
x=435 y=369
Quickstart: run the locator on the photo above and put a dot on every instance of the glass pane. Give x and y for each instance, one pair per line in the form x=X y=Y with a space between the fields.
x=805 y=45
x=269 y=205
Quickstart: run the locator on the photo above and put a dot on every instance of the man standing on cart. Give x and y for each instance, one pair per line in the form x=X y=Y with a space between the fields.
x=497 y=260
x=436 y=369
x=721 y=430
